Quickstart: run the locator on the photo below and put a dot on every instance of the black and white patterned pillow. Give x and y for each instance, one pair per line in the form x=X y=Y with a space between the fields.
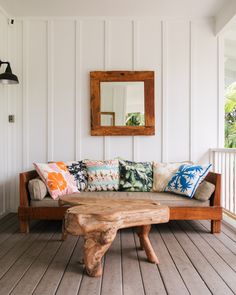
x=79 y=170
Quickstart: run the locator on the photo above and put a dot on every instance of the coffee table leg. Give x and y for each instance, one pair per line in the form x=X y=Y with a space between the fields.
x=146 y=244
x=95 y=246
x=64 y=233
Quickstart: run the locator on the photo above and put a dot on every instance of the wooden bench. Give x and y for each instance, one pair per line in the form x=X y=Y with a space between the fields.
x=212 y=212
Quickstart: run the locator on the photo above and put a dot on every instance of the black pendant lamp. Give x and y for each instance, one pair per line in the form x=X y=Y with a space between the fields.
x=8 y=77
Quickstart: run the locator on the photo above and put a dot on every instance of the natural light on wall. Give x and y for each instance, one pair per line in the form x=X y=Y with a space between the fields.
x=230 y=87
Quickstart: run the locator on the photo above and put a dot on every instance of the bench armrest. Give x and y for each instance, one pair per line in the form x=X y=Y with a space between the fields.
x=215 y=178
x=25 y=177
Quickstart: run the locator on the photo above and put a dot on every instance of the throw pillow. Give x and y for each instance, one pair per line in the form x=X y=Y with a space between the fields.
x=186 y=180
x=37 y=189
x=79 y=170
x=57 y=178
x=136 y=176
x=162 y=174
x=204 y=191
x=103 y=175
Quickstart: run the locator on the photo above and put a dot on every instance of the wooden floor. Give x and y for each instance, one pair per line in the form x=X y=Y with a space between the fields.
x=192 y=261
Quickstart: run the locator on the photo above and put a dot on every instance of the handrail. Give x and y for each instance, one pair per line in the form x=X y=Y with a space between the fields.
x=224 y=150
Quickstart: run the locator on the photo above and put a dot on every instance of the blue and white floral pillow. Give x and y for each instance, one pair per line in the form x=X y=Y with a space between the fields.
x=186 y=180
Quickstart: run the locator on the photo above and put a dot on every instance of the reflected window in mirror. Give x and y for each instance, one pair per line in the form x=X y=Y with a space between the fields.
x=125 y=100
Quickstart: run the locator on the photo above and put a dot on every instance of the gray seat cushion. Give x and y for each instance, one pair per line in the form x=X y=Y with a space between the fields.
x=168 y=199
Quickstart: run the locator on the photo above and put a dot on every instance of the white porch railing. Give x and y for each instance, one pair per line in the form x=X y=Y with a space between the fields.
x=224 y=162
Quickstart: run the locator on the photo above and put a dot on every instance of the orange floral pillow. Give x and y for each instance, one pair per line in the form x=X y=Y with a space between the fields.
x=57 y=178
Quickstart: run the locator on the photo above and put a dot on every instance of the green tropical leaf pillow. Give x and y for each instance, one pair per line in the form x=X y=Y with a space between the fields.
x=135 y=176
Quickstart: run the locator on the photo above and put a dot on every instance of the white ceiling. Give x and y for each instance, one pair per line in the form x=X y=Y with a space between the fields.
x=163 y=8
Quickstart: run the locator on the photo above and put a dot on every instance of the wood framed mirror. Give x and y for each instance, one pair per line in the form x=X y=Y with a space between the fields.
x=122 y=103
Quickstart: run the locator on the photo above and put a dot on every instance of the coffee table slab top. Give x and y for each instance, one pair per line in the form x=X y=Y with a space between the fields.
x=98 y=220
x=123 y=212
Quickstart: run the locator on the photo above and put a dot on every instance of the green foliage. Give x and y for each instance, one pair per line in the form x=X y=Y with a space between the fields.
x=230 y=116
x=135 y=119
x=135 y=177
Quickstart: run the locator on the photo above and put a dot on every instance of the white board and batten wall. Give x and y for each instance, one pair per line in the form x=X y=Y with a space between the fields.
x=53 y=58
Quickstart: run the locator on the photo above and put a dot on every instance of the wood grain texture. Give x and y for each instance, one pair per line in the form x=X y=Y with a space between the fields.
x=52 y=277
x=210 y=276
x=98 y=220
x=15 y=273
x=219 y=247
x=112 y=274
x=132 y=277
x=192 y=279
x=216 y=261
x=169 y=273
x=122 y=76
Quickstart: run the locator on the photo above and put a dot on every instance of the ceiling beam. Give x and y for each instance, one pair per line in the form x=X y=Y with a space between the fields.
x=225 y=17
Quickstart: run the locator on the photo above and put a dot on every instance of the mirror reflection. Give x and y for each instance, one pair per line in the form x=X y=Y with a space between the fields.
x=122 y=103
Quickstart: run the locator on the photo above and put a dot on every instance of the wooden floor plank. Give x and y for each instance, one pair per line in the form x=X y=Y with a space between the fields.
x=230 y=244
x=8 y=229
x=52 y=277
x=152 y=281
x=132 y=278
x=229 y=232
x=168 y=270
x=6 y=218
x=112 y=274
x=192 y=279
x=221 y=267
x=90 y=286
x=9 y=219
x=220 y=249
x=38 y=268
x=19 y=248
x=14 y=239
x=204 y=268
x=16 y=272
x=71 y=280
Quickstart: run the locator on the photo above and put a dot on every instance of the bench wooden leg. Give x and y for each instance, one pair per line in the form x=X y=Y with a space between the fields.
x=215 y=226
x=24 y=226
x=146 y=244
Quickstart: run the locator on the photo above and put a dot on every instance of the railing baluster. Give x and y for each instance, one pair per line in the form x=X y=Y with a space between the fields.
x=222 y=179
x=234 y=193
x=227 y=181
x=224 y=162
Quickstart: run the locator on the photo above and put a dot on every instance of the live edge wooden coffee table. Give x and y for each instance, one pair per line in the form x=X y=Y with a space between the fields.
x=99 y=219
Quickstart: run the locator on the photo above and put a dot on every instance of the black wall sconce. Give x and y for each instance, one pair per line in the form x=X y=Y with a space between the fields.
x=8 y=77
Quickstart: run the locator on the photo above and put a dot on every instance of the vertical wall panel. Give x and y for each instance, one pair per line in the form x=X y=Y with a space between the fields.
x=15 y=160
x=64 y=89
x=37 y=91
x=149 y=58
x=121 y=58
x=3 y=121
x=204 y=90
x=178 y=57
x=92 y=58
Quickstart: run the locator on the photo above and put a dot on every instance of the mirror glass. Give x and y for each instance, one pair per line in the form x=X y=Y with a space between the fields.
x=122 y=103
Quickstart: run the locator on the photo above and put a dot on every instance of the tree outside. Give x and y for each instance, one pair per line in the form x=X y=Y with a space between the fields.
x=230 y=116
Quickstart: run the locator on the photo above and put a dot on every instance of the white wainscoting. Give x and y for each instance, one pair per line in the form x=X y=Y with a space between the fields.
x=53 y=58
x=4 y=135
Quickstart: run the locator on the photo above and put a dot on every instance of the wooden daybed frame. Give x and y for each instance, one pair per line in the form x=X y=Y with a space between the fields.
x=212 y=212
